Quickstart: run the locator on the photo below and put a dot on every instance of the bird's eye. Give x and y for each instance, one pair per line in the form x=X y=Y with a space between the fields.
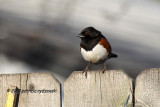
x=86 y=33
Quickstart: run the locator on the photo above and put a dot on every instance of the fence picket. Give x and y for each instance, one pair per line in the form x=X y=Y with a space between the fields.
x=147 y=91
x=110 y=89
x=35 y=89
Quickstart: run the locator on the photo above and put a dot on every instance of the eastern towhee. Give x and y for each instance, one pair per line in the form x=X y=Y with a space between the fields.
x=94 y=47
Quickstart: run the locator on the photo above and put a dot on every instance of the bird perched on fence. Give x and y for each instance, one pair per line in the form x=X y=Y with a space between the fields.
x=94 y=47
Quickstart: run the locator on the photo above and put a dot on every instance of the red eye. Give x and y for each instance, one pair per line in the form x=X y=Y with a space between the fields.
x=86 y=33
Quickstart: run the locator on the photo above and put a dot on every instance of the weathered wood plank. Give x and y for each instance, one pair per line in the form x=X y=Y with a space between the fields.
x=32 y=86
x=147 y=91
x=110 y=89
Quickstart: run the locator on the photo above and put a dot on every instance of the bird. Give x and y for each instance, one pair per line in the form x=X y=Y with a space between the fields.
x=94 y=48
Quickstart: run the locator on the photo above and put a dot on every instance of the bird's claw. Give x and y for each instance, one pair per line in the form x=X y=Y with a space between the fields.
x=103 y=70
x=85 y=71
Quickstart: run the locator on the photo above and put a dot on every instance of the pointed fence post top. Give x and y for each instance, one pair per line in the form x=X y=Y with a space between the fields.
x=34 y=89
x=147 y=91
x=108 y=89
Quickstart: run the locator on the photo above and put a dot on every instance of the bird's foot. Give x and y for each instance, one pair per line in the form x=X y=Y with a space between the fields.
x=85 y=71
x=104 y=69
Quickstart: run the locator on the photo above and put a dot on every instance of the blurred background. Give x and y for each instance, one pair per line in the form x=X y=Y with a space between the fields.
x=40 y=35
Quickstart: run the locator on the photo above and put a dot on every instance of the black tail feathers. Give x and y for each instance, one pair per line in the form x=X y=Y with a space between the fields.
x=113 y=55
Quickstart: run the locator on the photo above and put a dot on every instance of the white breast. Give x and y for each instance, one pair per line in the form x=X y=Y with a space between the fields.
x=98 y=53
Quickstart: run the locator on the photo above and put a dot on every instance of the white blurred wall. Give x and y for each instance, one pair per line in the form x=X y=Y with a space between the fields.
x=132 y=26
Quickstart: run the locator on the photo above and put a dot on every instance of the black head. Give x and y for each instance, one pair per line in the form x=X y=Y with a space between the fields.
x=89 y=38
x=89 y=33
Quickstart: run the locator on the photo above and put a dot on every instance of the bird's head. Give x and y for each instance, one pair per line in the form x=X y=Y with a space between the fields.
x=89 y=33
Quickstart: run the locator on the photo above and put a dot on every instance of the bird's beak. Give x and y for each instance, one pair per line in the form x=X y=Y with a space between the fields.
x=80 y=36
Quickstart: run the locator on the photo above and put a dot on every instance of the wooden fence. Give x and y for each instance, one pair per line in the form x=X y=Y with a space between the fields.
x=110 y=89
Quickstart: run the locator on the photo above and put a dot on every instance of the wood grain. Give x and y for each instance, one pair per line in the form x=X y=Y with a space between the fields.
x=32 y=81
x=147 y=91
x=110 y=89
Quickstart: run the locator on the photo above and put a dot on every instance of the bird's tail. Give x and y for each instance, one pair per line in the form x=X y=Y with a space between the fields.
x=113 y=55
